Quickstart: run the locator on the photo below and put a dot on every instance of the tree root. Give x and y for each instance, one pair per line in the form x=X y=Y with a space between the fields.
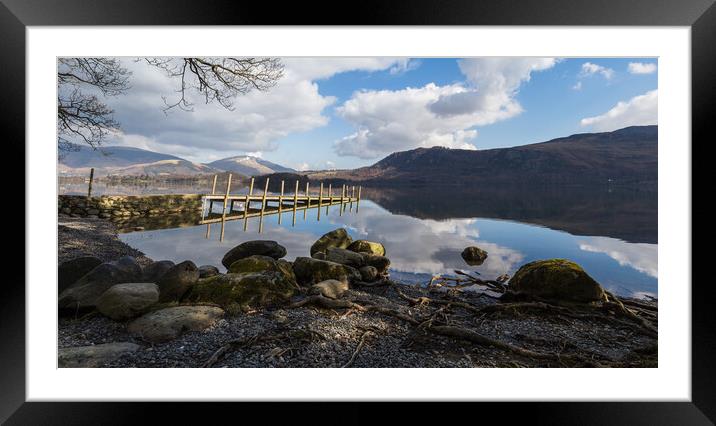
x=358 y=349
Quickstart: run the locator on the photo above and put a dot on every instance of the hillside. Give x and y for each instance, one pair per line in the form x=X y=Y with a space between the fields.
x=248 y=166
x=627 y=155
x=126 y=161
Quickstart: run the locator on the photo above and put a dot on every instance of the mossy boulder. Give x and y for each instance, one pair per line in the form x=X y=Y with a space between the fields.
x=557 y=279
x=70 y=271
x=154 y=271
x=364 y=246
x=336 y=238
x=258 y=263
x=344 y=257
x=177 y=281
x=474 y=256
x=251 y=248
x=84 y=292
x=244 y=290
x=206 y=271
x=309 y=271
x=381 y=263
x=368 y=273
x=167 y=324
x=128 y=300
x=332 y=289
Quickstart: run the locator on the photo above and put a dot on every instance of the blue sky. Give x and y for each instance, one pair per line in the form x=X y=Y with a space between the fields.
x=351 y=112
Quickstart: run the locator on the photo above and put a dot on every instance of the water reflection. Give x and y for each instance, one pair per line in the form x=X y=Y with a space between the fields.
x=425 y=236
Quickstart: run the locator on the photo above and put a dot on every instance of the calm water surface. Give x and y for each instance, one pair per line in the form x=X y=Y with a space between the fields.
x=611 y=233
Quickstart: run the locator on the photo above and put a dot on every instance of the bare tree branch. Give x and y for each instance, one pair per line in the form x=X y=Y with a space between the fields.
x=219 y=79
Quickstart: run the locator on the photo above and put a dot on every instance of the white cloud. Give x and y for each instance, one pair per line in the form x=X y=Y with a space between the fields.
x=638 y=111
x=641 y=68
x=432 y=115
x=577 y=86
x=640 y=256
x=589 y=69
x=258 y=120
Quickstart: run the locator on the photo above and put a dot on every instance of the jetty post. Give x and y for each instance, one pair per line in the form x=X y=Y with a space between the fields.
x=247 y=202
x=353 y=195
x=320 y=202
x=343 y=196
x=280 y=203
x=89 y=189
x=295 y=202
x=263 y=206
x=330 y=198
x=213 y=192
x=358 y=200
x=223 y=213
x=308 y=201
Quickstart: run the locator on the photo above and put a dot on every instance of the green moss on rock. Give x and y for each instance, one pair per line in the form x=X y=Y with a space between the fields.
x=365 y=246
x=559 y=279
x=336 y=238
x=259 y=263
x=245 y=290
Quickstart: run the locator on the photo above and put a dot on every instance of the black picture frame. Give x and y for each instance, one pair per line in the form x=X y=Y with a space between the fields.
x=16 y=15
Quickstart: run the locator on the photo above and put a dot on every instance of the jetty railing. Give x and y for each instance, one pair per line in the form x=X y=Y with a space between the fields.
x=250 y=205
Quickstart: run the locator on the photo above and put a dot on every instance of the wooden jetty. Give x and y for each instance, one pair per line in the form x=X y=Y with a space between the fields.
x=250 y=205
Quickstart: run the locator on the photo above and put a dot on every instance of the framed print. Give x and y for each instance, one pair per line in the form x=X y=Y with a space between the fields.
x=415 y=202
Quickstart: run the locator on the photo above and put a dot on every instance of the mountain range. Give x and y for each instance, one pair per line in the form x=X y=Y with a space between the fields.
x=126 y=161
x=627 y=155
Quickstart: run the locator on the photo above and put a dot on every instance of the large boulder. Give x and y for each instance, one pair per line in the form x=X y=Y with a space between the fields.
x=381 y=263
x=344 y=257
x=336 y=238
x=130 y=266
x=156 y=270
x=72 y=270
x=258 y=263
x=243 y=290
x=556 y=279
x=250 y=248
x=167 y=324
x=333 y=289
x=474 y=256
x=129 y=300
x=94 y=355
x=206 y=271
x=83 y=294
x=309 y=271
x=365 y=246
x=177 y=280
x=368 y=273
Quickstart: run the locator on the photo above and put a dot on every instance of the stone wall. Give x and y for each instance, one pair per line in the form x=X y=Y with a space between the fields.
x=118 y=206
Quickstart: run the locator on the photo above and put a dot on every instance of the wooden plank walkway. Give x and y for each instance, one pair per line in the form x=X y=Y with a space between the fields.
x=237 y=206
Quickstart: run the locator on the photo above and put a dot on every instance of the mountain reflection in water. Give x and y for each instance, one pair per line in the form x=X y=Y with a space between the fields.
x=611 y=232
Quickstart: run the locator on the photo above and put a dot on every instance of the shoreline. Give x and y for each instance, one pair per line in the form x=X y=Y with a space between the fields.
x=316 y=336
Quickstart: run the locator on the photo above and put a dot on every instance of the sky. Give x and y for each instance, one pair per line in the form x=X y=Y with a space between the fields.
x=327 y=113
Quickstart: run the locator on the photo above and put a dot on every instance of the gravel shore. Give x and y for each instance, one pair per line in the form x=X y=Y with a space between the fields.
x=318 y=337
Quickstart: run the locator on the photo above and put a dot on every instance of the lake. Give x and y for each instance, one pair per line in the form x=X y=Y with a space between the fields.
x=610 y=232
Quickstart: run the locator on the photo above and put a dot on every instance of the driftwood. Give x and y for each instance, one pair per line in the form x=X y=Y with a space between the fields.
x=358 y=349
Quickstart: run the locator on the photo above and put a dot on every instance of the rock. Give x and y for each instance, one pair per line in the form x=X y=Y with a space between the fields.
x=336 y=238
x=130 y=265
x=474 y=256
x=364 y=246
x=381 y=263
x=72 y=270
x=94 y=355
x=258 y=263
x=206 y=271
x=319 y=255
x=156 y=270
x=309 y=271
x=177 y=280
x=368 y=273
x=556 y=279
x=167 y=324
x=332 y=289
x=245 y=290
x=250 y=248
x=344 y=257
x=129 y=300
x=92 y=212
x=83 y=294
